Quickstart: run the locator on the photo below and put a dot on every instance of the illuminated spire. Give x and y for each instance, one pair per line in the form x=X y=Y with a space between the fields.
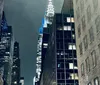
x=50 y=9
x=49 y=12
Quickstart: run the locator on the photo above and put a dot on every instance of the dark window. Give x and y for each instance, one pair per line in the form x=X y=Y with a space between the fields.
x=85 y=41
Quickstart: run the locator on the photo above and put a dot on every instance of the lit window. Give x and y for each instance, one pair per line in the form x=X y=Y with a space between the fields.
x=71 y=66
x=74 y=76
x=58 y=65
x=73 y=36
x=65 y=27
x=96 y=81
x=72 y=46
x=68 y=19
x=72 y=19
x=69 y=27
x=45 y=45
x=15 y=82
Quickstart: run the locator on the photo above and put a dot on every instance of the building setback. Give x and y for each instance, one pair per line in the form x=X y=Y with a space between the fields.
x=87 y=27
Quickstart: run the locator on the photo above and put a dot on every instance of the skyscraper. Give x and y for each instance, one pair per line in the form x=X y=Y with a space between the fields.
x=16 y=65
x=60 y=63
x=42 y=41
x=87 y=27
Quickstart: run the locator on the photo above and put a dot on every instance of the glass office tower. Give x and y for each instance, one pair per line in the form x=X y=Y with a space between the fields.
x=60 y=63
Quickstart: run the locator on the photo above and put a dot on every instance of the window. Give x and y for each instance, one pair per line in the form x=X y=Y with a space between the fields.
x=78 y=13
x=96 y=81
x=74 y=76
x=45 y=45
x=87 y=64
x=91 y=34
x=68 y=19
x=72 y=19
x=72 y=46
x=99 y=48
x=79 y=30
x=59 y=28
x=67 y=27
x=71 y=66
x=80 y=48
x=85 y=42
x=93 y=54
x=83 y=23
x=82 y=69
x=82 y=5
x=97 y=23
x=88 y=13
x=95 y=4
x=89 y=83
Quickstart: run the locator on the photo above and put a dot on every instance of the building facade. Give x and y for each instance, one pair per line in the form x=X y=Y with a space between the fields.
x=60 y=63
x=6 y=51
x=87 y=27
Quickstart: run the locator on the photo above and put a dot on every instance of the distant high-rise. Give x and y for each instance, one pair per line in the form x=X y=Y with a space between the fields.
x=87 y=28
x=16 y=65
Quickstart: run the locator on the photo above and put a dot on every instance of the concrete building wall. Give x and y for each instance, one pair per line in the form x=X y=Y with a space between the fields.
x=87 y=28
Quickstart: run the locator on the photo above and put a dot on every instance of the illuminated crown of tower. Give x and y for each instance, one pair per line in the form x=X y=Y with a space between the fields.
x=50 y=9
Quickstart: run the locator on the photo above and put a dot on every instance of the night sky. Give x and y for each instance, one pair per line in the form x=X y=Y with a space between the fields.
x=25 y=17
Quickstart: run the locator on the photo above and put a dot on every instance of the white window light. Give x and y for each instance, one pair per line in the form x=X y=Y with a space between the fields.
x=68 y=19
x=70 y=47
x=15 y=82
x=72 y=19
x=71 y=66
x=74 y=47
x=58 y=65
x=65 y=27
x=69 y=27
